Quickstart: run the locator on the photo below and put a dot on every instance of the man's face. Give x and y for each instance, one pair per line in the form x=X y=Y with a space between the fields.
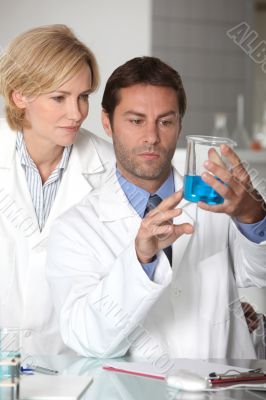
x=145 y=129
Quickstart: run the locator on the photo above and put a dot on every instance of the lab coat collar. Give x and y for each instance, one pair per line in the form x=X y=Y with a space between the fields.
x=90 y=161
x=76 y=184
x=114 y=205
x=7 y=144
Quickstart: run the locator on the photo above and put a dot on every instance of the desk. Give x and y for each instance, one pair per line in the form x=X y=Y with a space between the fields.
x=115 y=386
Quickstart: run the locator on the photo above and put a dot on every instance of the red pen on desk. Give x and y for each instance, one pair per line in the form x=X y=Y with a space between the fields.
x=136 y=373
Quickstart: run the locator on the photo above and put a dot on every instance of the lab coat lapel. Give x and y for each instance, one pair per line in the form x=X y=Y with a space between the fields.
x=113 y=203
x=114 y=206
x=16 y=203
x=76 y=184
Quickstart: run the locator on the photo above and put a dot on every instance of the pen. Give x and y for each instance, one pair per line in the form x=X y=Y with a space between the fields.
x=26 y=371
x=37 y=368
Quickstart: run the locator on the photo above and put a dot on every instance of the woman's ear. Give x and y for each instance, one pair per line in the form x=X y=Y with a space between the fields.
x=106 y=123
x=19 y=99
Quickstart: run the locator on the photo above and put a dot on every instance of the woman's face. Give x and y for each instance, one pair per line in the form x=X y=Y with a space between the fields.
x=56 y=117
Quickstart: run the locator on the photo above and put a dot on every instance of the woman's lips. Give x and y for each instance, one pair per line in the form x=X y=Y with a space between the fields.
x=70 y=128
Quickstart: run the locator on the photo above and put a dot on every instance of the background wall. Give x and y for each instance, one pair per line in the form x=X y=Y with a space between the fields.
x=191 y=36
x=259 y=93
x=116 y=30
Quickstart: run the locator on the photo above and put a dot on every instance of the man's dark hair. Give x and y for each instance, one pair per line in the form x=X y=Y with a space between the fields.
x=142 y=70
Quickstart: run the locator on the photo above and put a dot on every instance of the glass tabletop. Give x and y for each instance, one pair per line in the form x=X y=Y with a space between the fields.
x=118 y=386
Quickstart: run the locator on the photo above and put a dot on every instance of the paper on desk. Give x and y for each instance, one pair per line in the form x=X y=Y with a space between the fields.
x=53 y=387
x=150 y=370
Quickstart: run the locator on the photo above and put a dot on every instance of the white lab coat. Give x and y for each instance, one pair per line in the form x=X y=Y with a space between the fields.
x=108 y=306
x=25 y=299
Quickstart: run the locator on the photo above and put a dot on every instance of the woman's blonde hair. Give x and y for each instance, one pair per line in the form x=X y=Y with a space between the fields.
x=40 y=61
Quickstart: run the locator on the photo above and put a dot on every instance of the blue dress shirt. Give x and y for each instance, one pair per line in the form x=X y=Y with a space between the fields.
x=138 y=198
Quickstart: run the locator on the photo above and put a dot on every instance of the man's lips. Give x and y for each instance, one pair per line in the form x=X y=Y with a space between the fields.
x=149 y=155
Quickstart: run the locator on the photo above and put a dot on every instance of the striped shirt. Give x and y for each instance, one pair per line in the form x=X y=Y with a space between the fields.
x=43 y=195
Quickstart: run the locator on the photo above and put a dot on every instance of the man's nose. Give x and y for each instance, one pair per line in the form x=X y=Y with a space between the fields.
x=151 y=134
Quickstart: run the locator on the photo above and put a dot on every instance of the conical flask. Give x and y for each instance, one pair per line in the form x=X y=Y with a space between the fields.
x=240 y=134
x=220 y=125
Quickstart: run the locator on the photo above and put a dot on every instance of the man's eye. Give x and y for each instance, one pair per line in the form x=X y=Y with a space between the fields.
x=136 y=121
x=166 y=122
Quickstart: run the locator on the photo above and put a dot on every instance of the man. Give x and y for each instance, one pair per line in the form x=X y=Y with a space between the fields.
x=159 y=282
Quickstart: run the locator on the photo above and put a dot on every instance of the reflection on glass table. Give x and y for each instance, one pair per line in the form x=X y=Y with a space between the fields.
x=117 y=386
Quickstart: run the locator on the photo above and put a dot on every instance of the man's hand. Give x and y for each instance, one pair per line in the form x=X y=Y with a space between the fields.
x=251 y=316
x=157 y=230
x=241 y=200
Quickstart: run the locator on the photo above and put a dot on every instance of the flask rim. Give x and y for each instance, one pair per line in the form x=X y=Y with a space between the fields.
x=211 y=140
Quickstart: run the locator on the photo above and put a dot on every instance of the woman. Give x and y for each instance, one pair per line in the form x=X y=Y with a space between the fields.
x=47 y=164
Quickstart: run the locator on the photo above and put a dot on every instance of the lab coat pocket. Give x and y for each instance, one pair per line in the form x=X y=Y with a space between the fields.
x=7 y=271
x=214 y=281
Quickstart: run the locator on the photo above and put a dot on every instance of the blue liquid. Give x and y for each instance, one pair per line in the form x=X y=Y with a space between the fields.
x=195 y=189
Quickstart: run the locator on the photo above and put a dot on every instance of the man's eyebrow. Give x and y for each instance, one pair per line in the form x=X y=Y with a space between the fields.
x=139 y=114
x=132 y=112
x=169 y=113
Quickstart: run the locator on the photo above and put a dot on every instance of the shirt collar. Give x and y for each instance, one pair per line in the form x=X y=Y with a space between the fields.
x=65 y=157
x=138 y=197
x=24 y=156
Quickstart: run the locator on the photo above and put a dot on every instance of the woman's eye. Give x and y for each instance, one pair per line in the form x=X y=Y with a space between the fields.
x=59 y=99
x=85 y=97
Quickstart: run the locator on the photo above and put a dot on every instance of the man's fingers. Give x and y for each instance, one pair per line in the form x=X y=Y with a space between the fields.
x=220 y=187
x=236 y=171
x=229 y=153
x=227 y=185
x=169 y=203
x=162 y=216
x=183 y=228
x=162 y=232
x=237 y=168
x=169 y=229
x=217 y=172
x=168 y=234
x=251 y=316
x=215 y=157
x=219 y=208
